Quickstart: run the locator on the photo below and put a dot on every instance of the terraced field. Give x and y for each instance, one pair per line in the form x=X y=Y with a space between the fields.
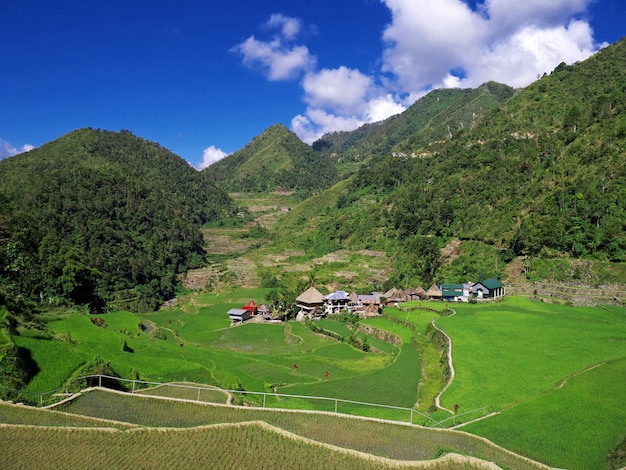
x=142 y=431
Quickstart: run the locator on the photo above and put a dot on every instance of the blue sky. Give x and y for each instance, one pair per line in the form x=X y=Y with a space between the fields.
x=204 y=78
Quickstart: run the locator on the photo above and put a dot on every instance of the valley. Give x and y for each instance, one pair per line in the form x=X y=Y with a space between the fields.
x=120 y=262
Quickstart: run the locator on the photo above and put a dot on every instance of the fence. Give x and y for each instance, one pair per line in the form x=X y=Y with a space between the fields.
x=266 y=400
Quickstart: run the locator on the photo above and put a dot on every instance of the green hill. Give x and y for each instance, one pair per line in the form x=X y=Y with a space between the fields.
x=101 y=217
x=430 y=119
x=275 y=160
x=541 y=174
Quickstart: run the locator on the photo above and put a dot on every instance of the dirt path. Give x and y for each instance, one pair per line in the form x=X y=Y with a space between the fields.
x=450 y=366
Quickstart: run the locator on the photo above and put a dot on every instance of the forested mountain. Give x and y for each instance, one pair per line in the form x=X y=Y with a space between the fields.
x=276 y=159
x=102 y=218
x=434 y=117
x=543 y=172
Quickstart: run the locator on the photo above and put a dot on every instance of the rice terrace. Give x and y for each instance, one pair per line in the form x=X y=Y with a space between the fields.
x=440 y=289
x=534 y=385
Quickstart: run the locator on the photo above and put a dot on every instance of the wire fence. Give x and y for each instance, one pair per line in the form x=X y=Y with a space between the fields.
x=270 y=400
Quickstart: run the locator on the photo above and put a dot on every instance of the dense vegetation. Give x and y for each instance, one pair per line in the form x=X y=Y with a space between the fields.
x=101 y=218
x=542 y=174
x=275 y=160
x=433 y=118
x=110 y=220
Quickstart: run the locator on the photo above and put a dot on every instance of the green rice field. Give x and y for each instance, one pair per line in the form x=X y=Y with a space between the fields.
x=553 y=374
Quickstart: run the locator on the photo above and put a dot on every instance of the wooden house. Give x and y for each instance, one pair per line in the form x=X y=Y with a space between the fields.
x=434 y=292
x=395 y=296
x=264 y=310
x=415 y=293
x=251 y=307
x=310 y=303
x=238 y=315
x=369 y=303
x=488 y=289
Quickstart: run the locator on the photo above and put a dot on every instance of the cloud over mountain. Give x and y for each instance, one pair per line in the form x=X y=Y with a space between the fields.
x=426 y=45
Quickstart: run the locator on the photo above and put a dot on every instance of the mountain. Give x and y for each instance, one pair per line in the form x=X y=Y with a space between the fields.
x=102 y=218
x=434 y=117
x=274 y=160
x=541 y=174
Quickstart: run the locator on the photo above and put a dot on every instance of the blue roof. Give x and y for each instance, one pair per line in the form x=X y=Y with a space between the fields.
x=339 y=295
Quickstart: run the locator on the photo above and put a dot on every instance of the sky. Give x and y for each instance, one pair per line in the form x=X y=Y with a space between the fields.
x=204 y=78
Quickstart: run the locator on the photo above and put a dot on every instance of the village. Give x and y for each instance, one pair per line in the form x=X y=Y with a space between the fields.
x=312 y=304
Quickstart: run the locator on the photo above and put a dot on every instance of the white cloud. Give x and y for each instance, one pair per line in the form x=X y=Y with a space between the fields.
x=531 y=51
x=318 y=122
x=427 y=44
x=341 y=99
x=7 y=150
x=342 y=89
x=513 y=14
x=504 y=40
x=289 y=27
x=383 y=107
x=278 y=58
x=210 y=155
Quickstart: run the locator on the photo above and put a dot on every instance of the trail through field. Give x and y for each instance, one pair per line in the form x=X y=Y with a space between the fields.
x=450 y=365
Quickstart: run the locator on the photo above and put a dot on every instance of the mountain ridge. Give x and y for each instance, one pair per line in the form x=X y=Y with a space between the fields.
x=103 y=217
x=540 y=175
x=275 y=159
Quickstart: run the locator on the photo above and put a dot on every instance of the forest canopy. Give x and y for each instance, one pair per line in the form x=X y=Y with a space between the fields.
x=102 y=218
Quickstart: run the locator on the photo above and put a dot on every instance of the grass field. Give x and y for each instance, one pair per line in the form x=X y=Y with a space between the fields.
x=193 y=342
x=247 y=445
x=395 y=441
x=575 y=425
x=554 y=373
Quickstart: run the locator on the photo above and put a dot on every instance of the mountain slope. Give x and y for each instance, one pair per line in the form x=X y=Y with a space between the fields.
x=276 y=159
x=433 y=117
x=99 y=217
x=542 y=173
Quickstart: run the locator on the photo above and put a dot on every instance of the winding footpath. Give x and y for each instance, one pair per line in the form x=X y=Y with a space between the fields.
x=450 y=365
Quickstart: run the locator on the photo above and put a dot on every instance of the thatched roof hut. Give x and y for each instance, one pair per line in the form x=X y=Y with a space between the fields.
x=434 y=292
x=310 y=299
x=395 y=295
x=415 y=293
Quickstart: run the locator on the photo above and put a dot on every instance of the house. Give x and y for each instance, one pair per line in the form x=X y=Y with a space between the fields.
x=251 y=307
x=488 y=289
x=238 y=315
x=368 y=303
x=354 y=301
x=264 y=311
x=451 y=291
x=434 y=292
x=311 y=303
x=415 y=294
x=456 y=292
x=336 y=302
x=395 y=296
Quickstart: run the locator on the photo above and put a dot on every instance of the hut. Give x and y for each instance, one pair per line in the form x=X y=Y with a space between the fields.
x=434 y=292
x=415 y=293
x=310 y=302
x=395 y=296
x=369 y=303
